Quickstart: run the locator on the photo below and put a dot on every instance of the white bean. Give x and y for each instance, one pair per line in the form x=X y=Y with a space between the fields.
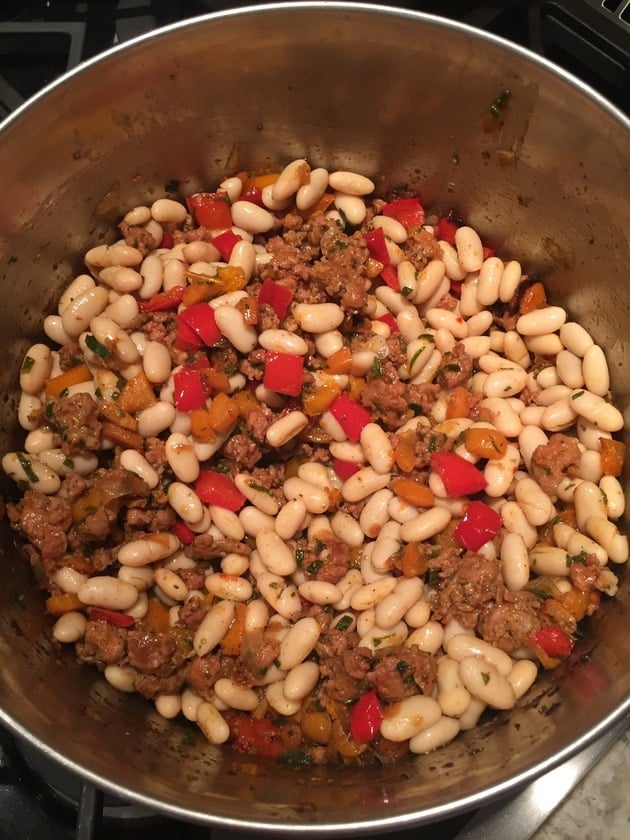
x=298 y=643
x=363 y=483
x=462 y=645
x=235 y=696
x=377 y=448
x=213 y=627
x=428 y=637
x=489 y=283
x=375 y=512
x=309 y=194
x=36 y=368
x=286 y=428
x=156 y=418
x=514 y=562
x=541 y=321
x=522 y=676
x=469 y=248
x=408 y=717
x=536 y=504
x=575 y=338
x=393 y=607
x=435 y=736
x=483 y=681
x=231 y=322
x=301 y=680
x=148 y=549
x=29 y=471
x=318 y=317
x=108 y=592
x=452 y=696
x=211 y=722
x=69 y=627
x=613 y=495
x=426 y=525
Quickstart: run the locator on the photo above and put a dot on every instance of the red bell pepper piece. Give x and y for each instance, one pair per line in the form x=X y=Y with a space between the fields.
x=408 y=211
x=389 y=319
x=215 y=488
x=163 y=301
x=366 y=717
x=446 y=230
x=200 y=318
x=350 y=415
x=553 y=641
x=389 y=275
x=211 y=210
x=167 y=240
x=375 y=241
x=480 y=524
x=460 y=477
x=277 y=296
x=183 y=533
x=186 y=338
x=118 y=619
x=487 y=252
x=225 y=242
x=188 y=390
x=344 y=469
x=283 y=373
x=253 y=194
x=255 y=736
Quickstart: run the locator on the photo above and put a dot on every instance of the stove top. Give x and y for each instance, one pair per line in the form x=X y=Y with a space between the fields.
x=41 y=39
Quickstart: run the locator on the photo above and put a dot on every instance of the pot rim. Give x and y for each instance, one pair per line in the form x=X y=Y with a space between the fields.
x=439 y=812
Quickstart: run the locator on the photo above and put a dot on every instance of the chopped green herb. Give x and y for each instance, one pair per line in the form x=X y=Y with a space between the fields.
x=299 y=557
x=485 y=677
x=314 y=567
x=63 y=394
x=576 y=395
x=455 y=158
x=93 y=344
x=406 y=291
x=498 y=105
x=27 y=364
x=402 y=667
x=431 y=577
x=575 y=558
x=28 y=468
x=344 y=623
x=259 y=487
x=377 y=369
x=296 y=758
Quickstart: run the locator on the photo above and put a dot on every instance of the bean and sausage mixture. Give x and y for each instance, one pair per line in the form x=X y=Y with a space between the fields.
x=315 y=469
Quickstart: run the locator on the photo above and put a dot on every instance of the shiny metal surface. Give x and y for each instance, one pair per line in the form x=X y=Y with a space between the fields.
x=401 y=97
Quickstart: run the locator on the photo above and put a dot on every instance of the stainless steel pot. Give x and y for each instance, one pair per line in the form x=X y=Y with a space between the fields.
x=402 y=97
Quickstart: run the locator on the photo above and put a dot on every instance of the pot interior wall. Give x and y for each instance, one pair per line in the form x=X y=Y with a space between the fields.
x=402 y=98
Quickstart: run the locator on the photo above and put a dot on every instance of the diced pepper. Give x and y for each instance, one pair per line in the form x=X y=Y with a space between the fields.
x=446 y=230
x=157 y=616
x=612 y=456
x=233 y=638
x=122 y=437
x=112 y=411
x=554 y=641
x=215 y=380
x=188 y=390
x=480 y=524
x=246 y=401
x=345 y=469
x=260 y=181
x=63 y=602
x=186 y=338
x=487 y=252
x=317 y=398
x=167 y=240
x=319 y=207
x=201 y=320
x=457 y=403
x=533 y=297
x=408 y=211
x=222 y=413
x=366 y=717
x=197 y=292
x=389 y=319
x=283 y=373
x=275 y=295
x=86 y=504
x=163 y=301
x=58 y=384
x=225 y=242
x=376 y=245
x=255 y=736
x=248 y=307
x=351 y=416
x=211 y=210
x=412 y=562
x=355 y=385
x=200 y=427
x=413 y=492
x=118 y=619
x=253 y=195
x=404 y=451
x=460 y=477
x=485 y=443
x=215 y=488
x=389 y=276
x=340 y=362
x=137 y=394
x=183 y=533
